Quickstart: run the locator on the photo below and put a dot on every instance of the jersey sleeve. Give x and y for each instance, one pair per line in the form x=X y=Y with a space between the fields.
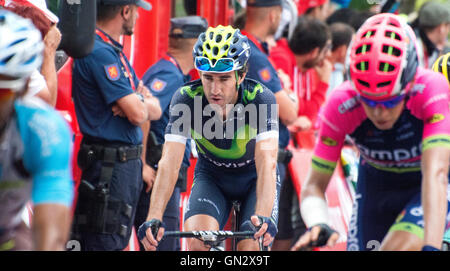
x=267 y=108
x=430 y=103
x=106 y=69
x=181 y=108
x=341 y=115
x=47 y=156
x=37 y=83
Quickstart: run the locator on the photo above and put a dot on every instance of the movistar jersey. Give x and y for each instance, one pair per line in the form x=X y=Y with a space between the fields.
x=229 y=143
x=424 y=123
x=35 y=153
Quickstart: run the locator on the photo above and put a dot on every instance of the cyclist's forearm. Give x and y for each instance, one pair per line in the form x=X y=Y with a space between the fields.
x=51 y=225
x=166 y=179
x=315 y=184
x=266 y=169
x=434 y=194
x=266 y=189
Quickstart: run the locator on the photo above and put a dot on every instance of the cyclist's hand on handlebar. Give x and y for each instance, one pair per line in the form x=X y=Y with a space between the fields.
x=265 y=226
x=317 y=236
x=147 y=232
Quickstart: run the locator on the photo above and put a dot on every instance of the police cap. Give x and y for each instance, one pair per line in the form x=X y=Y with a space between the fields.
x=140 y=3
x=263 y=3
x=187 y=27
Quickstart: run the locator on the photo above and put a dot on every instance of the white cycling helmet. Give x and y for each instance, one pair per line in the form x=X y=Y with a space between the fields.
x=21 y=49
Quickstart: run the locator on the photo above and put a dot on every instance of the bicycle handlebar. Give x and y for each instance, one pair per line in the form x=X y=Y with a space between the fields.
x=213 y=238
x=209 y=234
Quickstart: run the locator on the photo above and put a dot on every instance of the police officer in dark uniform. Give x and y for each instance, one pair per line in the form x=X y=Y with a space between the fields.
x=163 y=79
x=263 y=17
x=111 y=104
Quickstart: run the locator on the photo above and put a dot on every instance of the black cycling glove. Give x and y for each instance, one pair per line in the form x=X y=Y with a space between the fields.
x=324 y=234
x=154 y=224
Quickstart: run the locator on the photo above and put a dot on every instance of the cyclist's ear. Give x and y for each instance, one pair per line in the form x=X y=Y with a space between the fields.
x=242 y=77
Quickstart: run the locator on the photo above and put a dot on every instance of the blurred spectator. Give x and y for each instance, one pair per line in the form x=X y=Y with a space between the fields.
x=342 y=15
x=310 y=44
x=341 y=36
x=44 y=84
x=318 y=9
x=432 y=28
x=359 y=18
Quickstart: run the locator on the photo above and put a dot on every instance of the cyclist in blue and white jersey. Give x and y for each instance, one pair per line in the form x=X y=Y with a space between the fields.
x=35 y=148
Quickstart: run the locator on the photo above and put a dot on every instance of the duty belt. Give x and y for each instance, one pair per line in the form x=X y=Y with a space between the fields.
x=123 y=153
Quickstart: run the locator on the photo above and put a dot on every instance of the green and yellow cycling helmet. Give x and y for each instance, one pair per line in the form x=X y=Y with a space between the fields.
x=221 y=49
x=442 y=65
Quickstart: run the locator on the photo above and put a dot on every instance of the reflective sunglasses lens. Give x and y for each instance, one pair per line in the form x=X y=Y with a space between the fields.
x=388 y=103
x=393 y=102
x=368 y=102
x=223 y=65
x=202 y=64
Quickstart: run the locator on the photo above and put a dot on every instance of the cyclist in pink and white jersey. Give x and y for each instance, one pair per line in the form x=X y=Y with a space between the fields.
x=398 y=116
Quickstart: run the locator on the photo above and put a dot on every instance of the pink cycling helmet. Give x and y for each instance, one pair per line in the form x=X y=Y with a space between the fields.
x=382 y=58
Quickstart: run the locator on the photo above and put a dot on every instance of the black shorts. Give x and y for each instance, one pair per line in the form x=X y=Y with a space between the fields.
x=213 y=192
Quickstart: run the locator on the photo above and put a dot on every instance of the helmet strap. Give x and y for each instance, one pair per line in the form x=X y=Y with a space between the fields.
x=237 y=80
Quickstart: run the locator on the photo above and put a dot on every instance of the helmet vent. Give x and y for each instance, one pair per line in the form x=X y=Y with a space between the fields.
x=228 y=36
x=365 y=48
x=6 y=59
x=235 y=40
x=211 y=35
x=233 y=50
x=218 y=38
x=392 y=35
x=386 y=67
x=391 y=50
x=393 y=23
x=383 y=84
x=215 y=50
x=369 y=34
x=363 y=66
x=30 y=60
x=364 y=83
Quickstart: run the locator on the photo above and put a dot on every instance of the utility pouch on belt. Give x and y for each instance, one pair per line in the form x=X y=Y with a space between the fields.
x=154 y=151
x=86 y=157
